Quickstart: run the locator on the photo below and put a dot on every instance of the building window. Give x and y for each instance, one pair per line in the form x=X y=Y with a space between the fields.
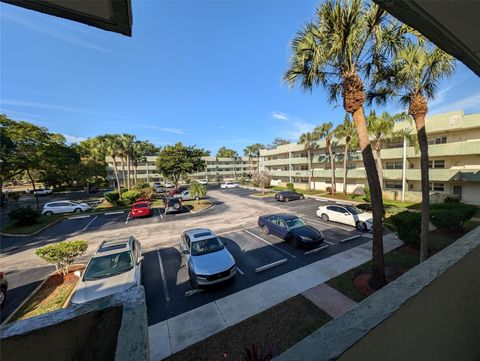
x=436 y=164
x=394 y=165
x=439 y=187
x=437 y=140
x=393 y=185
x=410 y=186
x=412 y=165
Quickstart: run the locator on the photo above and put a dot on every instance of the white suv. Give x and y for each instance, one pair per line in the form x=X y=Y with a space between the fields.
x=115 y=267
x=229 y=185
x=64 y=207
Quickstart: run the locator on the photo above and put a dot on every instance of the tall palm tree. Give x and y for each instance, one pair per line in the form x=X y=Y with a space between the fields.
x=127 y=146
x=113 y=149
x=309 y=140
x=347 y=132
x=381 y=130
x=248 y=152
x=413 y=76
x=325 y=131
x=346 y=40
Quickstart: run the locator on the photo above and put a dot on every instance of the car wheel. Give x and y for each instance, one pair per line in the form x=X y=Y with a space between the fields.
x=3 y=295
x=77 y=210
x=193 y=281
x=325 y=217
x=287 y=199
x=294 y=242
x=302 y=197
x=48 y=213
x=265 y=230
x=361 y=226
x=176 y=206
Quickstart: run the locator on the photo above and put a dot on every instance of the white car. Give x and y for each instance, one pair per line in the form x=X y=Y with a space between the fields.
x=202 y=181
x=64 y=207
x=42 y=191
x=115 y=267
x=228 y=185
x=185 y=196
x=346 y=214
x=168 y=185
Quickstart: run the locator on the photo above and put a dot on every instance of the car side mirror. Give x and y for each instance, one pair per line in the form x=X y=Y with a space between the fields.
x=185 y=251
x=346 y=213
x=78 y=273
x=140 y=260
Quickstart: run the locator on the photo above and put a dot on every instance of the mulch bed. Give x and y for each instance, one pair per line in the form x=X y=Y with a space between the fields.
x=362 y=280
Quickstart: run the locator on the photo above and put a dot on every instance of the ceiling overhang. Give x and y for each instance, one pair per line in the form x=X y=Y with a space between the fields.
x=451 y=25
x=111 y=15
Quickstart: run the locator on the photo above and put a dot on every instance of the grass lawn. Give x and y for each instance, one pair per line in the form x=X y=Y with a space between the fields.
x=194 y=207
x=262 y=195
x=50 y=297
x=279 y=327
x=42 y=222
x=107 y=207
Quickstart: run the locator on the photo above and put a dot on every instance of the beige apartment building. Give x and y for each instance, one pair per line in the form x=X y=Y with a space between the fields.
x=454 y=162
x=217 y=169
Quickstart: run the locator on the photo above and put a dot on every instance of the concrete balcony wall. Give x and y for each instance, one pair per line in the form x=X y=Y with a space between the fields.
x=430 y=313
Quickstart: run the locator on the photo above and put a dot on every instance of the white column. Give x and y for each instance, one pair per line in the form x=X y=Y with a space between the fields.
x=289 y=165
x=146 y=165
x=404 y=168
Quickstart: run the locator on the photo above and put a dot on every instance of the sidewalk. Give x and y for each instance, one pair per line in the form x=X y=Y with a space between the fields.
x=179 y=332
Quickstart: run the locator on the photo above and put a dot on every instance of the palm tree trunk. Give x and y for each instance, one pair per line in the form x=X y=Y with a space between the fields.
x=309 y=161
x=332 y=168
x=34 y=190
x=379 y=164
x=345 y=155
x=116 y=174
x=123 y=170
x=128 y=172
x=378 y=271
x=424 y=169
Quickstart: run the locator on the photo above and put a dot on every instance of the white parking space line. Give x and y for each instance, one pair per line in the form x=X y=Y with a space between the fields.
x=329 y=224
x=316 y=249
x=271 y=244
x=79 y=217
x=240 y=271
x=350 y=238
x=331 y=243
x=164 y=280
x=194 y=291
x=110 y=213
x=270 y=265
x=160 y=213
x=89 y=223
x=128 y=217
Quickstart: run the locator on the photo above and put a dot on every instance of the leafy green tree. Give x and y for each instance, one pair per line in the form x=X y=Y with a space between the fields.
x=325 y=131
x=224 y=152
x=197 y=190
x=309 y=141
x=346 y=40
x=253 y=151
x=62 y=254
x=347 y=132
x=176 y=160
x=413 y=77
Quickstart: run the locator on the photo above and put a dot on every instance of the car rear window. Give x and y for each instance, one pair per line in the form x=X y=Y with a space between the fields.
x=111 y=248
x=202 y=234
x=141 y=205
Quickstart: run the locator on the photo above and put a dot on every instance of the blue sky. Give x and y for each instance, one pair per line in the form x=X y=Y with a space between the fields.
x=204 y=73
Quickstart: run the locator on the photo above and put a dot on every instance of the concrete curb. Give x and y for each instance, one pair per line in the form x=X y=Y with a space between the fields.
x=34 y=233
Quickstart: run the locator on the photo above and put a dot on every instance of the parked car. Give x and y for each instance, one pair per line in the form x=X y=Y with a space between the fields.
x=291 y=229
x=346 y=214
x=64 y=207
x=228 y=185
x=175 y=192
x=202 y=181
x=169 y=185
x=141 y=209
x=3 y=288
x=42 y=191
x=287 y=196
x=114 y=267
x=208 y=260
x=159 y=189
x=173 y=205
x=185 y=196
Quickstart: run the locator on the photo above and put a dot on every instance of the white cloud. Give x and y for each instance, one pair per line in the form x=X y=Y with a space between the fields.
x=295 y=126
x=280 y=116
x=161 y=129
x=467 y=103
x=21 y=103
x=73 y=139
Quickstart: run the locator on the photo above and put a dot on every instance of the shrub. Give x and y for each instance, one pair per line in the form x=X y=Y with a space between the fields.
x=291 y=187
x=242 y=180
x=131 y=196
x=112 y=197
x=261 y=179
x=146 y=193
x=366 y=191
x=62 y=254
x=407 y=226
x=451 y=215
x=328 y=190
x=141 y=186
x=452 y=200
x=24 y=216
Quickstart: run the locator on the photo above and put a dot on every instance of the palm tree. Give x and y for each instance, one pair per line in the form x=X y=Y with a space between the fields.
x=381 y=130
x=413 y=76
x=346 y=130
x=248 y=152
x=127 y=146
x=113 y=148
x=325 y=131
x=309 y=140
x=197 y=190
x=348 y=39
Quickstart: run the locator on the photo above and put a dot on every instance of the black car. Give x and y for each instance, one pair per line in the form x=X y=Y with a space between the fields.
x=3 y=288
x=291 y=229
x=287 y=196
x=173 y=205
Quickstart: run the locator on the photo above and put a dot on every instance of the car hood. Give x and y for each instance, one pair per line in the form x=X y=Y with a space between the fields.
x=91 y=290
x=363 y=217
x=307 y=231
x=211 y=263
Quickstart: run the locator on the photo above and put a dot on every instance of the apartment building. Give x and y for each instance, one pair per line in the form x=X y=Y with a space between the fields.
x=454 y=162
x=217 y=169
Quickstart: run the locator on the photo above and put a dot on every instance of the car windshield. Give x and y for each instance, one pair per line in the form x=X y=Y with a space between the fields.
x=109 y=265
x=205 y=246
x=294 y=223
x=353 y=210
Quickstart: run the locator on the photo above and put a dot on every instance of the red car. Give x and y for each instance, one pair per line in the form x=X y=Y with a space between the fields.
x=141 y=209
